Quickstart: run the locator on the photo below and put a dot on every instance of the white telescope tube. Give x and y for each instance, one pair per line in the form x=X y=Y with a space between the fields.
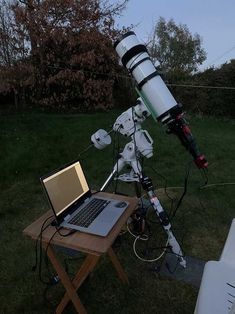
x=135 y=58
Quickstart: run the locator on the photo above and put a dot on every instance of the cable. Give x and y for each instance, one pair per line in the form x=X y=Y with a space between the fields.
x=221 y=56
x=34 y=267
x=145 y=237
x=136 y=149
x=117 y=158
x=190 y=85
x=50 y=282
x=85 y=150
x=165 y=188
x=72 y=231
x=205 y=176
x=217 y=184
x=39 y=238
x=184 y=192
x=202 y=86
x=148 y=260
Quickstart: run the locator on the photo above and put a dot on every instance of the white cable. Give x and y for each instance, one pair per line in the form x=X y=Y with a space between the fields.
x=143 y=237
x=217 y=184
x=148 y=260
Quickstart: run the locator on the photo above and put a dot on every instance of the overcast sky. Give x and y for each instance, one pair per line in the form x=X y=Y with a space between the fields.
x=213 y=20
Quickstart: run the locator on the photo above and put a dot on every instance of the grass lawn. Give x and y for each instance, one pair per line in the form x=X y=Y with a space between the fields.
x=33 y=144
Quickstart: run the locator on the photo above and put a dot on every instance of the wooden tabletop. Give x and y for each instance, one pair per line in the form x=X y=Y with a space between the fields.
x=79 y=240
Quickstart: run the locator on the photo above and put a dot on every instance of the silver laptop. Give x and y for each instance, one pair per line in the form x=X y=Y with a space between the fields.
x=74 y=205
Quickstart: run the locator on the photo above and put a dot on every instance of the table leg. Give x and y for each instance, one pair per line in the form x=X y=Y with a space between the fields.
x=121 y=273
x=72 y=294
x=87 y=266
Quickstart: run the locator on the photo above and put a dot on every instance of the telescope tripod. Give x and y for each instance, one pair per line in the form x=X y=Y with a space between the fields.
x=130 y=156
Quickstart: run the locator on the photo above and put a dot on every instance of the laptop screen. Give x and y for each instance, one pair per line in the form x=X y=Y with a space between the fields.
x=65 y=187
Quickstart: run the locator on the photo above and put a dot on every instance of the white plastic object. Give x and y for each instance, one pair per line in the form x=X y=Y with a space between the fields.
x=228 y=254
x=101 y=139
x=217 y=290
x=144 y=143
x=141 y=111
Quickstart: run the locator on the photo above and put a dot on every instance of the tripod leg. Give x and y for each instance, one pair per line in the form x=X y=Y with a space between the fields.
x=162 y=215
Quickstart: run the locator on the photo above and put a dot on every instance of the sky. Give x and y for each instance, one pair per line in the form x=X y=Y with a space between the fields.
x=213 y=20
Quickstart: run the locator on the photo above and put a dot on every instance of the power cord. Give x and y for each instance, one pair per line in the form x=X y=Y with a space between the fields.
x=43 y=228
x=144 y=237
x=38 y=259
x=184 y=192
x=165 y=188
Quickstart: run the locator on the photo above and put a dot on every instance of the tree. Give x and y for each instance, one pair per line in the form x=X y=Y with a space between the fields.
x=66 y=48
x=175 y=48
x=219 y=100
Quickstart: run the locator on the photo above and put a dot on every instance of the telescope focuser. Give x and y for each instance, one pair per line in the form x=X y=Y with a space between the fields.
x=180 y=127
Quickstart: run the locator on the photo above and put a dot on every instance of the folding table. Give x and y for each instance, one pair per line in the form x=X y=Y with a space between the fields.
x=93 y=246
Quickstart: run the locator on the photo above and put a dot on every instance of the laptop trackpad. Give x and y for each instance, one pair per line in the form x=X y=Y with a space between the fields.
x=110 y=215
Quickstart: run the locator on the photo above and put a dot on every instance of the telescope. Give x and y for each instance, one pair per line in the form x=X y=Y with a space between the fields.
x=155 y=94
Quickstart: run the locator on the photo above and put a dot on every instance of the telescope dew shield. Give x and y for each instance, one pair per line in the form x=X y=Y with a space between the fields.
x=134 y=56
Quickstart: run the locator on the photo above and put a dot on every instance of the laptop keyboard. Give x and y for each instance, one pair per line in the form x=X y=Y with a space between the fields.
x=88 y=213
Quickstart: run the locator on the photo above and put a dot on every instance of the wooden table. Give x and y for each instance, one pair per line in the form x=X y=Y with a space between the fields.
x=93 y=246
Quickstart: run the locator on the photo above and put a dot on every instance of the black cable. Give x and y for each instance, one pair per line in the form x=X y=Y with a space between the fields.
x=49 y=282
x=165 y=188
x=115 y=75
x=34 y=267
x=43 y=228
x=184 y=192
x=85 y=150
x=117 y=157
x=72 y=231
x=114 y=157
x=204 y=176
x=136 y=156
x=49 y=242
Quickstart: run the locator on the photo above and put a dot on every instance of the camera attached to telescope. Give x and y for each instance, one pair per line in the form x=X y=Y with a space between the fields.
x=155 y=94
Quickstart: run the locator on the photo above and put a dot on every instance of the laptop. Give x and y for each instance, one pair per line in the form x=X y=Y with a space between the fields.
x=73 y=204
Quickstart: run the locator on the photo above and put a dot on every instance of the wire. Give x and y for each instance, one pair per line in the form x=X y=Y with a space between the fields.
x=148 y=260
x=85 y=150
x=184 y=192
x=39 y=237
x=221 y=56
x=72 y=231
x=135 y=146
x=165 y=188
x=202 y=86
x=190 y=85
x=144 y=237
x=117 y=158
x=49 y=242
x=204 y=176
x=217 y=184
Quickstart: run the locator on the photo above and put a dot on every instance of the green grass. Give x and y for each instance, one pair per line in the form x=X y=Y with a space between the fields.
x=33 y=144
